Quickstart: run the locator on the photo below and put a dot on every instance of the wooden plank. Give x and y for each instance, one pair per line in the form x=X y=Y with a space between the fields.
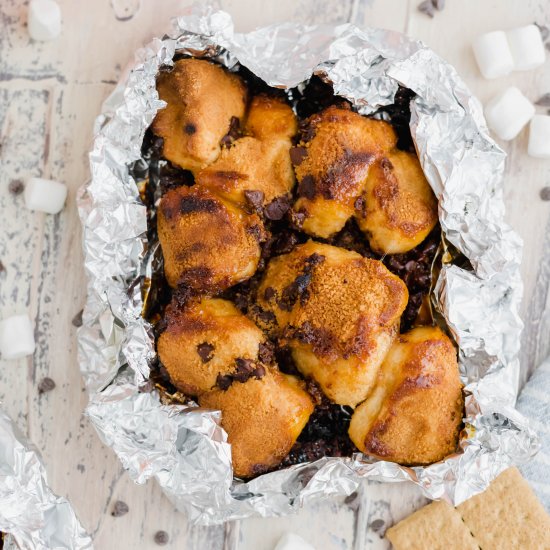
x=23 y=115
x=327 y=525
x=383 y=14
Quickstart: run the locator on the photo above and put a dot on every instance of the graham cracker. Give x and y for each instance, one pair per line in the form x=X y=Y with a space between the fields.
x=437 y=526
x=507 y=516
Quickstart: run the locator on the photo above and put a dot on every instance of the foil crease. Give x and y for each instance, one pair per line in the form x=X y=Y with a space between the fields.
x=183 y=447
x=31 y=516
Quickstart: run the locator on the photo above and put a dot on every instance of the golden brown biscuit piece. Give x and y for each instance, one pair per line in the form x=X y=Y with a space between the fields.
x=341 y=312
x=414 y=412
x=201 y=98
x=208 y=244
x=270 y=117
x=437 y=526
x=256 y=168
x=507 y=516
x=286 y=277
x=206 y=340
x=400 y=208
x=332 y=164
x=263 y=418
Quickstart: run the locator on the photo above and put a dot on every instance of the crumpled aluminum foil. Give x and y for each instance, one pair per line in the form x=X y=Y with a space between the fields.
x=183 y=447
x=31 y=516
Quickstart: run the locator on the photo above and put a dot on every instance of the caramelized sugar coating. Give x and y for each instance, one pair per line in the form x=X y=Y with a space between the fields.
x=208 y=243
x=287 y=278
x=201 y=98
x=204 y=341
x=413 y=414
x=341 y=312
x=332 y=164
x=258 y=163
x=270 y=117
x=263 y=418
x=400 y=208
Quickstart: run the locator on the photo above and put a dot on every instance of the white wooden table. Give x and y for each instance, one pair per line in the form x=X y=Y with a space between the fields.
x=49 y=96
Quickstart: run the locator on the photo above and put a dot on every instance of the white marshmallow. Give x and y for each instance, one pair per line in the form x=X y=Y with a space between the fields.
x=45 y=195
x=290 y=541
x=508 y=112
x=44 y=20
x=16 y=337
x=539 y=137
x=493 y=54
x=527 y=47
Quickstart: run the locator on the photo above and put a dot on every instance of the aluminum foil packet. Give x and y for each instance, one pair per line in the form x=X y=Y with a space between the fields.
x=31 y=516
x=183 y=447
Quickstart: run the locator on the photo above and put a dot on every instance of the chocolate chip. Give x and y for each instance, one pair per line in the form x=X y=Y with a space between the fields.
x=267 y=317
x=244 y=365
x=45 y=385
x=306 y=188
x=16 y=187
x=245 y=369
x=307 y=131
x=386 y=164
x=314 y=259
x=181 y=297
x=259 y=372
x=257 y=232
x=360 y=206
x=285 y=242
x=77 y=319
x=545 y=193
x=223 y=381
x=234 y=126
x=297 y=289
x=543 y=100
x=439 y=5
x=315 y=391
x=426 y=7
x=297 y=155
x=377 y=525
x=266 y=352
x=233 y=133
x=297 y=219
x=277 y=208
x=2 y=268
x=254 y=198
x=161 y=538
x=269 y=292
x=190 y=129
x=205 y=351
x=120 y=508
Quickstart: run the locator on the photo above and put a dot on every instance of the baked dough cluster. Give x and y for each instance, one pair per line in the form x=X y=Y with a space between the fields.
x=252 y=176
x=339 y=314
x=348 y=165
x=415 y=407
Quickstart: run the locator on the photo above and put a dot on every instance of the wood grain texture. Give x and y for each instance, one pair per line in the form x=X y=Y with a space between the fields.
x=50 y=94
